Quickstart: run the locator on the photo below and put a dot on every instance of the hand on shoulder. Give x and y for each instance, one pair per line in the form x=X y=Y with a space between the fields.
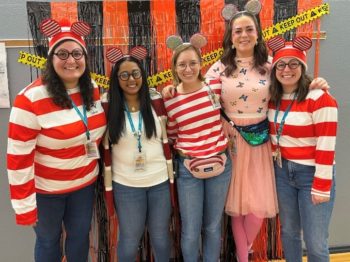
x=168 y=91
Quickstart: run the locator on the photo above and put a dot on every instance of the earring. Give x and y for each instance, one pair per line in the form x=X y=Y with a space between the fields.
x=233 y=46
x=257 y=42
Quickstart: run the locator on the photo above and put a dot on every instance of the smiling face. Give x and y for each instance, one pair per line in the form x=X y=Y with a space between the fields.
x=290 y=75
x=71 y=69
x=244 y=36
x=187 y=67
x=130 y=78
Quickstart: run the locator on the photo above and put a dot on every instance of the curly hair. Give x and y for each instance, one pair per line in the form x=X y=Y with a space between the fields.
x=229 y=54
x=56 y=88
x=115 y=114
x=276 y=89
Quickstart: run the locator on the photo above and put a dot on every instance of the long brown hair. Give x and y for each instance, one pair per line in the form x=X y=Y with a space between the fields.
x=276 y=89
x=56 y=88
x=229 y=55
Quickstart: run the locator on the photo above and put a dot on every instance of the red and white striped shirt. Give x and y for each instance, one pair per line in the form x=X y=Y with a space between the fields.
x=46 y=147
x=308 y=135
x=194 y=124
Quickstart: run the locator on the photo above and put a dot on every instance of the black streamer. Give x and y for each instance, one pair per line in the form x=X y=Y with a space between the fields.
x=140 y=28
x=284 y=9
x=92 y=13
x=188 y=18
x=37 y=12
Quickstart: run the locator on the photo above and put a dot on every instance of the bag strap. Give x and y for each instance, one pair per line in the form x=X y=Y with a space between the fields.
x=223 y=114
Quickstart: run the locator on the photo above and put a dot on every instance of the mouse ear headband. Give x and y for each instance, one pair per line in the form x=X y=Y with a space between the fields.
x=197 y=40
x=296 y=49
x=64 y=30
x=114 y=54
x=230 y=10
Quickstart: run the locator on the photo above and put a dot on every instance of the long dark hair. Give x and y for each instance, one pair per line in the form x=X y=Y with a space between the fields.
x=229 y=55
x=276 y=89
x=116 y=116
x=56 y=88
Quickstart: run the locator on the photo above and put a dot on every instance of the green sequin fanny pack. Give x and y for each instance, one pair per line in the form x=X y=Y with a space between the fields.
x=255 y=134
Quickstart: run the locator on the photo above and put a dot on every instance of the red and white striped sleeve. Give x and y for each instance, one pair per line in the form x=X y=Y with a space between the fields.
x=325 y=118
x=22 y=132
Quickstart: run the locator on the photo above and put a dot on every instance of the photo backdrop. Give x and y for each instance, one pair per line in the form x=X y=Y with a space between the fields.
x=126 y=24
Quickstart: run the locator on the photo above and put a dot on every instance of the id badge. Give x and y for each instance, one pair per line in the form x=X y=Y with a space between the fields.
x=277 y=157
x=140 y=161
x=91 y=150
x=215 y=100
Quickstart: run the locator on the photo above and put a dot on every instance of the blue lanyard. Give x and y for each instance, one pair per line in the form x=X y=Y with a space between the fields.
x=83 y=117
x=280 y=128
x=138 y=133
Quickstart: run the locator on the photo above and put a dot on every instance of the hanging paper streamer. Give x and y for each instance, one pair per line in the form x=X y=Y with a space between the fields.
x=115 y=27
x=140 y=28
x=284 y=10
x=37 y=13
x=91 y=13
x=64 y=10
x=163 y=25
x=212 y=27
x=188 y=15
x=295 y=21
x=266 y=14
x=307 y=29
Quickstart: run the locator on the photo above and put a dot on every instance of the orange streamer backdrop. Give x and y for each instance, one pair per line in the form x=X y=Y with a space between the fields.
x=115 y=27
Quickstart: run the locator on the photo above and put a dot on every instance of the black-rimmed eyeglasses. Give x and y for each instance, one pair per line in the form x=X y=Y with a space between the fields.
x=292 y=64
x=124 y=76
x=63 y=54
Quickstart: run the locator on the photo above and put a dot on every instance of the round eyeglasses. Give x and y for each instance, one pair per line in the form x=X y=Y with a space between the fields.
x=63 y=54
x=292 y=64
x=124 y=76
x=183 y=66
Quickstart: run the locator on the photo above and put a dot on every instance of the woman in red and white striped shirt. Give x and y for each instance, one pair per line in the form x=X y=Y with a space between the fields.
x=195 y=126
x=55 y=126
x=303 y=126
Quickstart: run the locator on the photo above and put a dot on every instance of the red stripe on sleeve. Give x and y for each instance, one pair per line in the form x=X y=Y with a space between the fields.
x=15 y=162
x=323 y=185
x=28 y=218
x=22 y=191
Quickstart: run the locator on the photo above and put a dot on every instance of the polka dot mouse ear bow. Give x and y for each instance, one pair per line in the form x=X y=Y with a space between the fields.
x=230 y=10
x=64 y=30
x=114 y=54
x=197 y=40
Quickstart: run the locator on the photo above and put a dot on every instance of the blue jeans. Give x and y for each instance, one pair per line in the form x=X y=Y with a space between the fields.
x=201 y=203
x=140 y=207
x=74 y=210
x=298 y=214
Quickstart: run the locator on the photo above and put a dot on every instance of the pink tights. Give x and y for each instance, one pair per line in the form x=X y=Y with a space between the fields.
x=245 y=229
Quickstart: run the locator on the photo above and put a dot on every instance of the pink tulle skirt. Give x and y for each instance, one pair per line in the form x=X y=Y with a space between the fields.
x=252 y=188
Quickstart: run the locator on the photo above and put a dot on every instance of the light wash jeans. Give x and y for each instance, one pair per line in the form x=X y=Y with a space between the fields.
x=201 y=203
x=298 y=214
x=138 y=208
x=74 y=210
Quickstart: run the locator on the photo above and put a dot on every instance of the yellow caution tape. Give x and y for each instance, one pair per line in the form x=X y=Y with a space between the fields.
x=295 y=21
x=208 y=58
x=32 y=60
x=212 y=57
